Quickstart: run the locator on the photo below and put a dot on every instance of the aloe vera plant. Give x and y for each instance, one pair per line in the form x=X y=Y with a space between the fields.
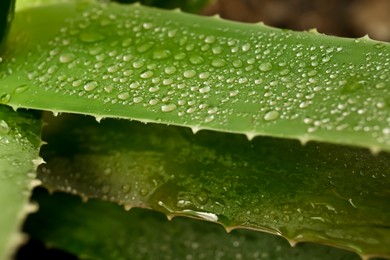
x=225 y=78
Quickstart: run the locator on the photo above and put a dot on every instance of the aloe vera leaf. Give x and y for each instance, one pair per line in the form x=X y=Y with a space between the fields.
x=320 y=192
x=19 y=146
x=64 y=222
x=129 y=61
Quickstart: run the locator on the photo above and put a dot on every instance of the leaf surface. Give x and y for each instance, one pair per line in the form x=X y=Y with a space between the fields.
x=101 y=230
x=19 y=146
x=129 y=61
x=320 y=193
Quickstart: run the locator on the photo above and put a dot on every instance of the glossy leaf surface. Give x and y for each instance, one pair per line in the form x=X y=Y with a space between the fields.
x=19 y=145
x=205 y=73
x=319 y=192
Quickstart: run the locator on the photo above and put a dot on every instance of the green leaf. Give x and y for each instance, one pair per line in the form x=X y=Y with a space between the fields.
x=101 y=230
x=129 y=61
x=321 y=193
x=19 y=145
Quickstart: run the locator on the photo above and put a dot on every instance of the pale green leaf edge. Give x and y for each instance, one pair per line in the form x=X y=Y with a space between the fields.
x=82 y=229
x=19 y=148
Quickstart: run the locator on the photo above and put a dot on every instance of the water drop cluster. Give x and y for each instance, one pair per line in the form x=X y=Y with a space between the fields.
x=221 y=77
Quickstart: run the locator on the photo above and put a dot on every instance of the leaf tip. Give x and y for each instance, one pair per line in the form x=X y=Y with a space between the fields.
x=56 y=113
x=127 y=207
x=292 y=242
x=99 y=118
x=303 y=140
x=229 y=229
x=84 y=198
x=31 y=208
x=38 y=161
x=250 y=135
x=35 y=183
x=195 y=129
x=375 y=150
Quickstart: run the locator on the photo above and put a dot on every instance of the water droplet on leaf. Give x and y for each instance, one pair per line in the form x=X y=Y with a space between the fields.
x=271 y=115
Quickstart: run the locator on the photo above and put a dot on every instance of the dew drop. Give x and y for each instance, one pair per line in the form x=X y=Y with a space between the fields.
x=161 y=54
x=216 y=50
x=4 y=99
x=90 y=37
x=189 y=73
x=238 y=63
x=242 y=80
x=251 y=61
x=154 y=89
x=210 y=39
x=147 y=74
x=21 y=89
x=271 y=115
x=304 y=104
x=246 y=47
x=167 y=82
x=233 y=93
x=168 y=107
x=209 y=118
x=90 y=85
x=127 y=42
x=108 y=89
x=127 y=57
x=180 y=56
x=137 y=100
x=265 y=67
x=258 y=81
x=204 y=89
x=153 y=101
x=380 y=85
x=134 y=85
x=123 y=96
x=66 y=57
x=138 y=64
x=191 y=110
x=326 y=59
x=204 y=75
x=113 y=68
x=217 y=63
x=127 y=73
x=170 y=70
x=212 y=111
x=196 y=59
x=145 y=47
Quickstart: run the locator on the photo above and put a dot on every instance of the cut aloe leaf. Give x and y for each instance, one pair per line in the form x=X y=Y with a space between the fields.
x=19 y=146
x=322 y=193
x=129 y=61
x=102 y=230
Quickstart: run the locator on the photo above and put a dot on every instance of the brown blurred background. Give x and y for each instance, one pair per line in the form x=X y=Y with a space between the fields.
x=350 y=18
